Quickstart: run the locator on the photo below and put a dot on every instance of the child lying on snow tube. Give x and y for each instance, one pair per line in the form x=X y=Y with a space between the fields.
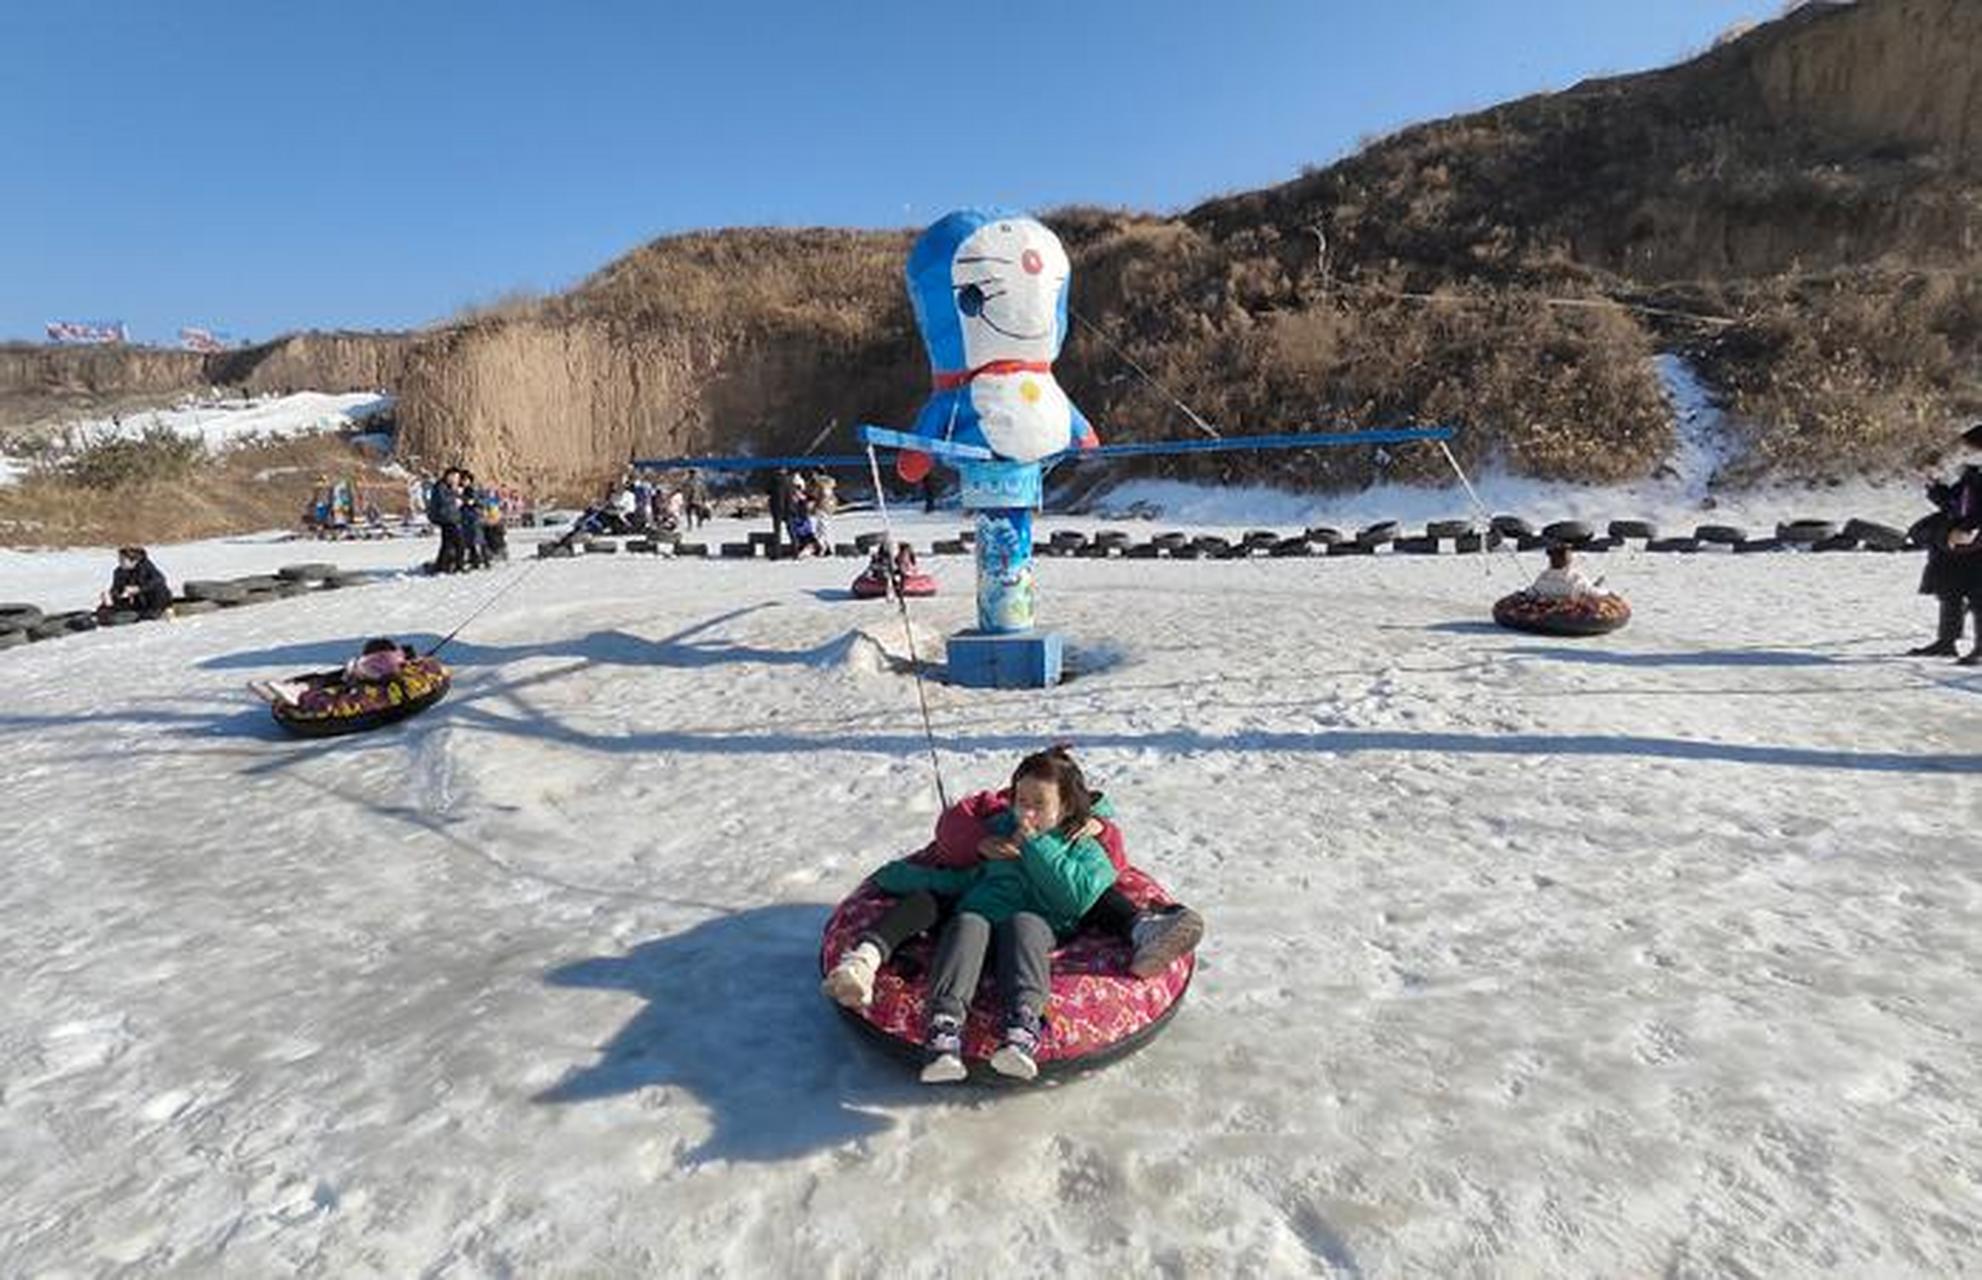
x=909 y=580
x=1562 y=603
x=385 y=682
x=1040 y=867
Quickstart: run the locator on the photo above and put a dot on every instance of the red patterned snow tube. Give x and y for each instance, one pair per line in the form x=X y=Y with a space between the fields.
x=1591 y=615
x=1097 y=1011
x=871 y=586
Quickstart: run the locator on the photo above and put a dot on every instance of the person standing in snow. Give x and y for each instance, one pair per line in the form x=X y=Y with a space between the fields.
x=1954 y=555
x=777 y=486
x=444 y=513
x=698 y=500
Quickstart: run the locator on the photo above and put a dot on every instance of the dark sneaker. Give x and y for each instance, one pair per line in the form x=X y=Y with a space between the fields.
x=1973 y=658
x=1161 y=935
x=945 y=1046
x=1017 y=1057
x=1935 y=650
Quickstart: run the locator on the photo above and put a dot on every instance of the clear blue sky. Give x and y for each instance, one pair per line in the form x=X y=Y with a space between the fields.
x=257 y=167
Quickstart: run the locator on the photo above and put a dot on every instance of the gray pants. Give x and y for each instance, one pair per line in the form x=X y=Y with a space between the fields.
x=1025 y=947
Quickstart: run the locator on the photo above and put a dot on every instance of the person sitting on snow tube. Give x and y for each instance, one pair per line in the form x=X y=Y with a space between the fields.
x=1562 y=602
x=136 y=586
x=891 y=564
x=1037 y=868
x=379 y=661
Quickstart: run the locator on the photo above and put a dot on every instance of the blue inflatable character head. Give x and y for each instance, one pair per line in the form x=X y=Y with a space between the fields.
x=990 y=295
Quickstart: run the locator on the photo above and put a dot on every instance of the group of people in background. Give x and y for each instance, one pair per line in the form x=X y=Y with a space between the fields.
x=469 y=518
x=637 y=503
x=802 y=507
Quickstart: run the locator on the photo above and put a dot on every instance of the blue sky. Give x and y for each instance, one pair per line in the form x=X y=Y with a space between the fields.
x=258 y=167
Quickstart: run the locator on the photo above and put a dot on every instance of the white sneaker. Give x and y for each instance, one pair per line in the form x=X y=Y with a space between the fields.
x=1013 y=1061
x=944 y=1068
x=1160 y=936
x=851 y=983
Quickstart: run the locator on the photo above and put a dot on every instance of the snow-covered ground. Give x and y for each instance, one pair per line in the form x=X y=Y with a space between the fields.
x=1656 y=954
x=223 y=424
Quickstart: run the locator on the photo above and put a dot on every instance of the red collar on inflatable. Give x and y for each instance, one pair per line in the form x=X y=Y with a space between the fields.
x=950 y=379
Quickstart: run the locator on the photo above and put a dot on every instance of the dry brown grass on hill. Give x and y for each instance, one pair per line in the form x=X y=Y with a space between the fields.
x=264 y=487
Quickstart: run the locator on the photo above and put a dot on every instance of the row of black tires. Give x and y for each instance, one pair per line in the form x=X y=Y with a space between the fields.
x=1463 y=536
x=25 y=623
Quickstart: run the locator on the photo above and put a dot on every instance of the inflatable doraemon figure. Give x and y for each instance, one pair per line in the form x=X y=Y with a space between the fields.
x=990 y=296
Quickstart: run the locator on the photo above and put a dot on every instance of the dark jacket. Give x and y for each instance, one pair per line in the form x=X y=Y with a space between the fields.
x=153 y=594
x=1958 y=505
x=444 y=505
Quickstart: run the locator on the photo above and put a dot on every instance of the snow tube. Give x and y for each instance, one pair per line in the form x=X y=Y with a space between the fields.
x=1573 y=616
x=354 y=708
x=1097 y=1010
x=871 y=586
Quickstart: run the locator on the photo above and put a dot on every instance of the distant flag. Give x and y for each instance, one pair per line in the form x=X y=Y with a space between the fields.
x=78 y=332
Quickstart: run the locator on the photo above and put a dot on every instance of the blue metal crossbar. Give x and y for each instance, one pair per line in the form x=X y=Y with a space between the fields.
x=887 y=439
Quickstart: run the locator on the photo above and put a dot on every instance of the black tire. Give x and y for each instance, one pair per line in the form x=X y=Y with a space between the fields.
x=1097 y=551
x=692 y=550
x=1470 y=544
x=1757 y=546
x=1324 y=535
x=1532 y=542
x=1806 y=531
x=1211 y=544
x=1682 y=546
x=1877 y=537
x=119 y=618
x=210 y=589
x=1189 y=551
x=1351 y=549
x=306 y=572
x=258 y=582
x=1288 y=548
x=1113 y=537
x=1377 y=534
x=1260 y=538
x=1572 y=532
x=1448 y=528
x=19 y=617
x=1172 y=539
x=639 y=546
x=600 y=547
x=12 y=638
x=1415 y=546
x=867 y=541
x=78 y=620
x=1068 y=538
x=1642 y=529
x=1727 y=533
x=1511 y=527
x=1836 y=542
x=193 y=608
x=738 y=550
x=946 y=547
x=1143 y=551
x=48 y=629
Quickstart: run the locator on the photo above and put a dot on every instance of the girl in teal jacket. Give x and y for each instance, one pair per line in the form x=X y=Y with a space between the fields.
x=1041 y=872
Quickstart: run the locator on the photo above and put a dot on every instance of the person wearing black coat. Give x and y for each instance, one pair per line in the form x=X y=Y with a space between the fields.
x=136 y=586
x=778 y=485
x=1954 y=556
x=444 y=511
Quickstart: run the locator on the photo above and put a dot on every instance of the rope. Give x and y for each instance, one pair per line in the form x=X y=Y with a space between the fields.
x=1129 y=360
x=908 y=629
x=513 y=583
x=1485 y=514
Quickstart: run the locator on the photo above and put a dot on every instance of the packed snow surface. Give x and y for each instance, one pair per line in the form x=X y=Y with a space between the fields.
x=1656 y=954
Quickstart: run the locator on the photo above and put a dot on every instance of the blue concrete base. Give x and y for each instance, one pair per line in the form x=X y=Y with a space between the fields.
x=1015 y=660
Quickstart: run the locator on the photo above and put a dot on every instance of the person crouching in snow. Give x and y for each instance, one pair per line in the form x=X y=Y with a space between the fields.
x=1037 y=858
x=380 y=661
x=136 y=586
x=1560 y=581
